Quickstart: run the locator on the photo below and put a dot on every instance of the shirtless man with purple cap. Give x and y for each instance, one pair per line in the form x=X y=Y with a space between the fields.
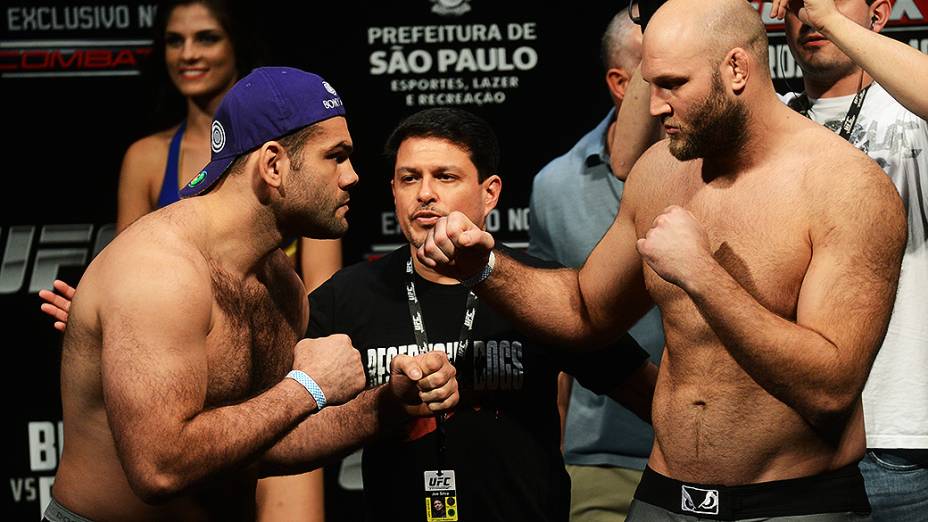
x=183 y=377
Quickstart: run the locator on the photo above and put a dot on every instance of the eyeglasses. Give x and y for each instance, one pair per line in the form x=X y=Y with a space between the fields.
x=634 y=12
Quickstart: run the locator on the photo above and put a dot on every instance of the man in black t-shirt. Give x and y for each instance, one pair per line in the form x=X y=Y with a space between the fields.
x=497 y=456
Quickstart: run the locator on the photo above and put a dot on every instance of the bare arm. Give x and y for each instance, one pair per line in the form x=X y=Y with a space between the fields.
x=334 y=433
x=591 y=306
x=818 y=364
x=155 y=373
x=319 y=259
x=418 y=386
x=901 y=69
x=568 y=306
x=144 y=162
x=635 y=129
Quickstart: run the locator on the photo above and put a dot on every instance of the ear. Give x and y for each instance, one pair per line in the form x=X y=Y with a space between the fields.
x=617 y=79
x=879 y=14
x=491 y=188
x=735 y=69
x=273 y=163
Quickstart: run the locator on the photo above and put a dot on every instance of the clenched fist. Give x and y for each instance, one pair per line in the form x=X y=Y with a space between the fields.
x=425 y=384
x=456 y=247
x=676 y=246
x=334 y=364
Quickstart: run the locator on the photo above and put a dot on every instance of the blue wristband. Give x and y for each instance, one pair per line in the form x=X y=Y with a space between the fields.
x=310 y=386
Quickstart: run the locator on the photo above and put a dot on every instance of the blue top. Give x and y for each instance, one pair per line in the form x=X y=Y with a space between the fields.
x=169 y=187
x=575 y=199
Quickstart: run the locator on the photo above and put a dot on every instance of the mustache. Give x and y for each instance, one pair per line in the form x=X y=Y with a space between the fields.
x=428 y=211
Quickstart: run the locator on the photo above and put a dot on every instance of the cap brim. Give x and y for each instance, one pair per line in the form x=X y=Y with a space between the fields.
x=207 y=177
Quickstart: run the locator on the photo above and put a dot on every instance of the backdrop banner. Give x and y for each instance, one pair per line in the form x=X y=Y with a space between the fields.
x=74 y=100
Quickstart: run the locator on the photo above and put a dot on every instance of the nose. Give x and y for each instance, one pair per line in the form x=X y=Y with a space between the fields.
x=348 y=177
x=658 y=104
x=425 y=194
x=189 y=52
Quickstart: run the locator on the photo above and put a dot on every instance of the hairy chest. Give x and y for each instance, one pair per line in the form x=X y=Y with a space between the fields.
x=257 y=323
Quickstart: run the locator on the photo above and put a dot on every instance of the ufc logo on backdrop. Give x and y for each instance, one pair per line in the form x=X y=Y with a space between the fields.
x=39 y=257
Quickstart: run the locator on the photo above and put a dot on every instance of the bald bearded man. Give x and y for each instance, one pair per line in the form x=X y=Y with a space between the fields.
x=775 y=280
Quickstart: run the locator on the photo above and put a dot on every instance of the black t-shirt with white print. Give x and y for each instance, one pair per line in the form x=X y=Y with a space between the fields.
x=502 y=441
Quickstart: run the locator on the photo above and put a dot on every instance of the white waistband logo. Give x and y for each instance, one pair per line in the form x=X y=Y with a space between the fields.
x=708 y=500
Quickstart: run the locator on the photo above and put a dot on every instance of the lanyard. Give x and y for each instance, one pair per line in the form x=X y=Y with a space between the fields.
x=802 y=105
x=422 y=341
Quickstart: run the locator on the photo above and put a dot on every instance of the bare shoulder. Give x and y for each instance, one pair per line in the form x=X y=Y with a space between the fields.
x=655 y=160
x=654 y=172
x=845 y=188
x=149 y=155
x=835 y=172
x=152 y=264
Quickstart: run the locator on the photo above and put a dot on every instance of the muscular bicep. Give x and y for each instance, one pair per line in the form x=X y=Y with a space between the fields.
x=612 y=280
x=850 y=285
x=154 y=363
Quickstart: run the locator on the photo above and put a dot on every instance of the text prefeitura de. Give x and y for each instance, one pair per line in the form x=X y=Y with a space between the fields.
x=414 y=34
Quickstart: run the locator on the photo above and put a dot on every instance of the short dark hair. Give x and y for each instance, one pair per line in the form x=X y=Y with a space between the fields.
x=462 y=128
x=292 y=142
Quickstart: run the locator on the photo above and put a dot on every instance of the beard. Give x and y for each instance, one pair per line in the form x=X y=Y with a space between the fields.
x=718 y=127
x=326 y=223
x=313 y=211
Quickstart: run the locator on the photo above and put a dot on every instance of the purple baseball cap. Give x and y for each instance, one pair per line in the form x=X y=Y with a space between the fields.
x=268 y=104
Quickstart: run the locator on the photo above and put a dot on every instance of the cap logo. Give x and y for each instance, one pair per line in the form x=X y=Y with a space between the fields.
x=197 y=180
x=218 y=137
x=329 y=88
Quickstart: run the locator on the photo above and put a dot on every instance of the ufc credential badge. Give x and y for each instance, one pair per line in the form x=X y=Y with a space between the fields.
x=441 y=501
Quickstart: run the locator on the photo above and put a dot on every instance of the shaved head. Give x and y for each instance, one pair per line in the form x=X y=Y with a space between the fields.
x=711 y=29
x=707 y=65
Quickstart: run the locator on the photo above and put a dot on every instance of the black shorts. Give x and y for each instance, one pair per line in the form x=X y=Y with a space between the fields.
x=838 y=491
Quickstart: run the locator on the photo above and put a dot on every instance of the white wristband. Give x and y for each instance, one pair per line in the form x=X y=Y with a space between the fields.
x=310 y=385
x=481 y=276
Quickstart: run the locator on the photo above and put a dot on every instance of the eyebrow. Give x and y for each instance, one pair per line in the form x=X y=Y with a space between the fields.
x=342 y=146
x=440 y=168
x=201 y=32
x=669 y=78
